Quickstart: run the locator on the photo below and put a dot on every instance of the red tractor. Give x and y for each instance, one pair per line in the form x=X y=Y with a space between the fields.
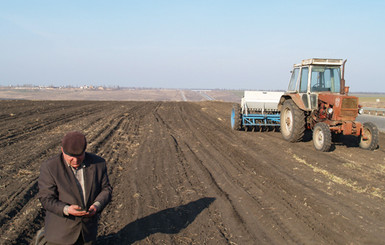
x=318 y=99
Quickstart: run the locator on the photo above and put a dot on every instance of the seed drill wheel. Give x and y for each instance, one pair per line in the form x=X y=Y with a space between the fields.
x=292 y=122
x=322 y=137
x=369 y=140
x=236 y=117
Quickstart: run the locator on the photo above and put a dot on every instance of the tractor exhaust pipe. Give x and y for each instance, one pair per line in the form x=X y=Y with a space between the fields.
x=343 y=89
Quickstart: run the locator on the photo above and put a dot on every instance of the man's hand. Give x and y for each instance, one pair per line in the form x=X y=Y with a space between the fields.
x=76 y=210
x=91 y=211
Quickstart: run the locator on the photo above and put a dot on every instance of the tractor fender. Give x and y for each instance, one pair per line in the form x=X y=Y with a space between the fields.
x=295 y=97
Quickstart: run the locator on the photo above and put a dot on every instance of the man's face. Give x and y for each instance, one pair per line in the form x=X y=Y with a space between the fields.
x=73 y=161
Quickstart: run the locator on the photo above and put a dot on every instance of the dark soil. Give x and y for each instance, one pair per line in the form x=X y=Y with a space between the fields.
x=182 y=176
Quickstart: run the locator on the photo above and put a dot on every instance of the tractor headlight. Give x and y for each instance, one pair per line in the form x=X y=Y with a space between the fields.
x=360 y=111
x=330 y=111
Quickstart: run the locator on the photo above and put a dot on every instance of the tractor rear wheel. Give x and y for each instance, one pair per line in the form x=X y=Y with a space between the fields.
x=370 y=132
x=236 y=117
x=292 y=122
x=322 y=137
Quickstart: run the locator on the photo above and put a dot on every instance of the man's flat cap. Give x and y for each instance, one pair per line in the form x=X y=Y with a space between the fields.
x=74 y=143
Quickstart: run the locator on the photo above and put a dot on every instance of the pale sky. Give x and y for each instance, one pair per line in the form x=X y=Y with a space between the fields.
x=188 y=44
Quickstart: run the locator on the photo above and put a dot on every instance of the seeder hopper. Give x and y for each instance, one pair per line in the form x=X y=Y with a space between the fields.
x=258 y=110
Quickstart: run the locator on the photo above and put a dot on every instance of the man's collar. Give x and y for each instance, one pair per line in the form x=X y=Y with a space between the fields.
x=82 y=165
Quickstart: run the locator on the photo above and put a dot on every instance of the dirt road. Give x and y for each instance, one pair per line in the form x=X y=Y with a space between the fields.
x=182 y=176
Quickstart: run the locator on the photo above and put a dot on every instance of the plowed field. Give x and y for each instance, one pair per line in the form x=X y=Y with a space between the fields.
x=182 y=176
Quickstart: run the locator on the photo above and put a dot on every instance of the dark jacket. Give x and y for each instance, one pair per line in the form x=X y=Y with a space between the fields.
x=58 y=188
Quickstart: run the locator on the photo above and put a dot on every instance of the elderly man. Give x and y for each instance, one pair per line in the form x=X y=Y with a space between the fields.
x=73 y=189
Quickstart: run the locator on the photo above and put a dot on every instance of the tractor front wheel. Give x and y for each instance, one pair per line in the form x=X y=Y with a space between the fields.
x=369 y=137
x=322 y=137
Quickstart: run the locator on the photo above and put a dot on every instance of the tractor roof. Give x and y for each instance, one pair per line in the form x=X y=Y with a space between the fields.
x=318 y=61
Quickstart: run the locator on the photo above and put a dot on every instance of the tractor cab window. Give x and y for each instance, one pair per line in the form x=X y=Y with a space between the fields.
x=304 y=79
x=325 y=79
x=293 y=80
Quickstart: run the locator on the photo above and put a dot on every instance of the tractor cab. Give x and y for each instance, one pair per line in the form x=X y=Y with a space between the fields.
x=315 y=76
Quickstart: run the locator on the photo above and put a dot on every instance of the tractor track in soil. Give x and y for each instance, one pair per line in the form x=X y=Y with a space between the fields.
x=182 y=176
